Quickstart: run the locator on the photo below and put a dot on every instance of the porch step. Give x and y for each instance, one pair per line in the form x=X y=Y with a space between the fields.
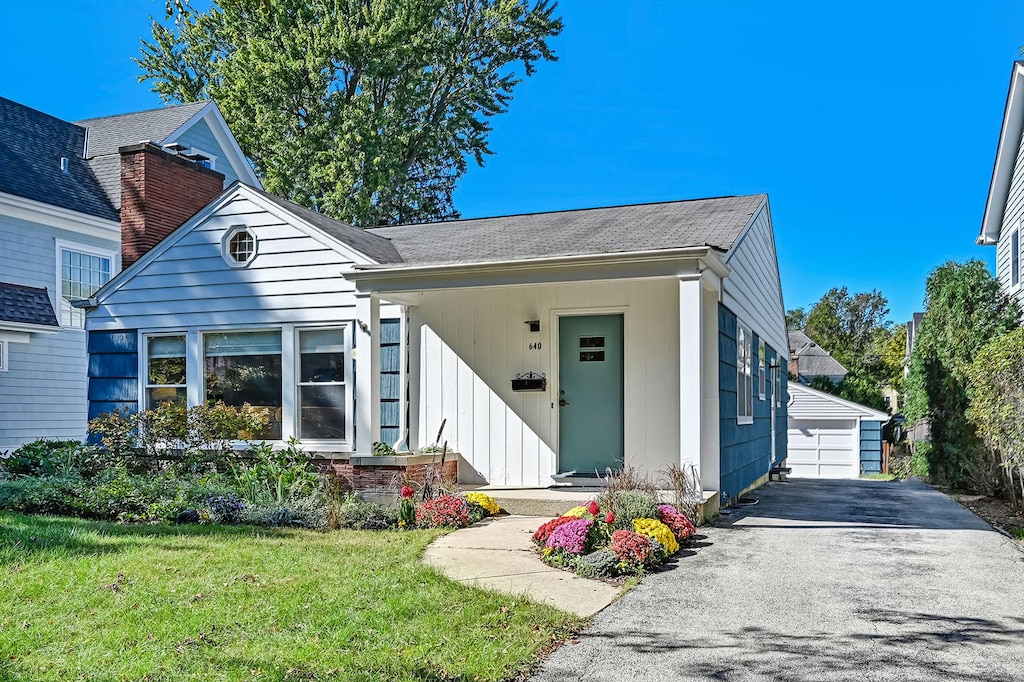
x=555 y=501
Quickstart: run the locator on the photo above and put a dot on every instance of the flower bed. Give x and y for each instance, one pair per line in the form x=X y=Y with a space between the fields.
x=604 y=544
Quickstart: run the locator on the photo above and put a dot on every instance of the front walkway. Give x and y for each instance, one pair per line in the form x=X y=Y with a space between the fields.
x=822 y=580
x=497 y=554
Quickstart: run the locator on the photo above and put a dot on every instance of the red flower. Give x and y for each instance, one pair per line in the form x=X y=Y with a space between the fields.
x=544 y=532
x=609 y=518
x=632 y=548
x=593 y=508
x=407 y=492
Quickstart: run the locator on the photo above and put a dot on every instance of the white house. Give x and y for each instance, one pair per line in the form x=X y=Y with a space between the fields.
x=61 y=188
x=1001 y=225
x=643 y=335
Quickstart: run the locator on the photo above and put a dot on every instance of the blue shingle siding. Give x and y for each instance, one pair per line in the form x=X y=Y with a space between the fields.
x=390 y=380
x=745 y=448
x=871 y=447
x=113 y=371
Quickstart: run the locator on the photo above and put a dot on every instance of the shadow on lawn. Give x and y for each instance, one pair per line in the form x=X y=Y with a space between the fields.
x=24 y=536
x=894 y=644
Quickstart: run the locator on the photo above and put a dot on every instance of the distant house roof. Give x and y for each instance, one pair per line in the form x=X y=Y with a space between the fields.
x=812 y=359
x=716 y=223
x=26 y=305
x=107 y=134
x=32 y=145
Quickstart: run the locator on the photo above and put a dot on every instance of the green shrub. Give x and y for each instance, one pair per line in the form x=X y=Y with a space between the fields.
x=275 y=476
x=383 y=450
x=362 y=514
x=46 y=457
x=308 y=512
x=919 y=460
x=628 y=505
x=602 y=563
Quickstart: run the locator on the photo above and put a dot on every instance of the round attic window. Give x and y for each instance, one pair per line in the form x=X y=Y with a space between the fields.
x=240 y=247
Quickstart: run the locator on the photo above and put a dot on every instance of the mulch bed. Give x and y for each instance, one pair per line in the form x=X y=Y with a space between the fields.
x=997 y=512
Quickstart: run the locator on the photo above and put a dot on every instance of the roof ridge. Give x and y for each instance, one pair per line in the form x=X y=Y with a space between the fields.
x=568 y=210
x=204 y=102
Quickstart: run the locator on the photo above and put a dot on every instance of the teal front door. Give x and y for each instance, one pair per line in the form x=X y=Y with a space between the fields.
x=590 y=414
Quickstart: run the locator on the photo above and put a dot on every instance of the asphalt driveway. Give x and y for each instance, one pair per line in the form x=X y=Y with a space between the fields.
x=821 y=580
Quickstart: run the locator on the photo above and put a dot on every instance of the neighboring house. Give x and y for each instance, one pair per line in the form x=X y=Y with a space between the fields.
x=1004 y=209
x=832 y=438
x=62 y=186
x=649 y=335
x=808 y=360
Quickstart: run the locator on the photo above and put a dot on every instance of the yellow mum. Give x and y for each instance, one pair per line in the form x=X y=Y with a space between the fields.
x=578 y=512
x=659 y=531
x=485 y=501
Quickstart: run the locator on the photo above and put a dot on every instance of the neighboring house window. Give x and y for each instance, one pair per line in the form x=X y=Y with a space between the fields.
x=239 y=247
x=165 y=370
x=201 y=158
x=1015 y=258
x=744 y=380
x=81 y=273
x=760 y=370
x=245 y=367
x=322 y=386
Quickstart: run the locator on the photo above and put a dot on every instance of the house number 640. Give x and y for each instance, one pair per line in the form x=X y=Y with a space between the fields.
x=535 y=345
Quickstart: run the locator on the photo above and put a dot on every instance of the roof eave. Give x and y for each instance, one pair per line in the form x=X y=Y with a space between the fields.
x=6 y=326
x=1002 y=169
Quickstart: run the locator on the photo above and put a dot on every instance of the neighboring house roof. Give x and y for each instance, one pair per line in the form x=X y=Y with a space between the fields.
x=32 y=145
x=812 y=359
x=1006 y=158
x=107 y=134
x=23 y=305
x=366 y=242
x=716 y=223
x=808 y=403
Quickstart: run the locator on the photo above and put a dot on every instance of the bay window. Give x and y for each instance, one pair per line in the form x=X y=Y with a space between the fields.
x=245 y=367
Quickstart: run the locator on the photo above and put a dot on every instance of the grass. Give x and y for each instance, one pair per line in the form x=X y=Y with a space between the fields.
x=878 y=477
x=1019 y=532
x=101 y=601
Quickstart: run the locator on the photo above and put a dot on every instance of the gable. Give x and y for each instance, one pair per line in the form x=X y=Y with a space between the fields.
x=753 y=290
x=201 y=137
x=187 y=282
x=1007 y=154
x=808 y=403
x=1013 y=214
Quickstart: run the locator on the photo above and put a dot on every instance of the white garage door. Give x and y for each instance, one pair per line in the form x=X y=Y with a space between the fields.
x=820 y=448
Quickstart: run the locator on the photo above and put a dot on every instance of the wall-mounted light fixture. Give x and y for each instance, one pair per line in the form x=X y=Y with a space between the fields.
x=534 y=325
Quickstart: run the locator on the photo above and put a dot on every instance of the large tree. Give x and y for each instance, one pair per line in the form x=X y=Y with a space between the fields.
x=366 y=110
x=964 y=310
x=852 y=328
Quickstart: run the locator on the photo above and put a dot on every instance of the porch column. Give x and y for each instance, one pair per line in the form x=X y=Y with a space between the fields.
x=698 y=377
x=367 y=358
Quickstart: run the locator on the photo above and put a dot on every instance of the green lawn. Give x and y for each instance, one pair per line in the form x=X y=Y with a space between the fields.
x=1019 y=532
x=100 y=601
x=878 y=477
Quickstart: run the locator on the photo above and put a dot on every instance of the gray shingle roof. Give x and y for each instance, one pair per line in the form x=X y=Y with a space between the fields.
x=107 y=134
x=812 y=359
x=379 y=249
x=26 y=305
x=618 y=229
x=31 y=146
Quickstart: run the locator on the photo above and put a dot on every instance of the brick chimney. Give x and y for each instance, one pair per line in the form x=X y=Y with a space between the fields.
x=159 y=192
x=794 y=366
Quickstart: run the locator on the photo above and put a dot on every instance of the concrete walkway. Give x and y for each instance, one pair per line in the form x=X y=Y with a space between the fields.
x=822 y=580
x=497 y=554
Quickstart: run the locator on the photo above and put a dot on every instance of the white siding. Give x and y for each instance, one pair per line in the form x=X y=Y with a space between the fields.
x=1012 y=217
x=294 y=278
x=753 y=290
x=472 y=342
x=806 y=403
x=43 y=394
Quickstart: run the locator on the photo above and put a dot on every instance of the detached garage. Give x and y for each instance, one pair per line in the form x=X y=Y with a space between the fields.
x=830 y=437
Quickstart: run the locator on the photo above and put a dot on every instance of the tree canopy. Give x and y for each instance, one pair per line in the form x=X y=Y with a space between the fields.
x=366 y=110
x=851 y=327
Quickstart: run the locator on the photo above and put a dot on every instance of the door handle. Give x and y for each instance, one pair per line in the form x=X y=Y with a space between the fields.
x=562 y=402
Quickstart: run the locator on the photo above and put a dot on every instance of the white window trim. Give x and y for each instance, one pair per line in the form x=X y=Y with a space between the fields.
x=1015 y=268
x=211 y=157
x=144 y=384
x=225 y=249
x=4 y=349
x=62 y=245
x=762 y=361
x=346 y=444
x=743 y=374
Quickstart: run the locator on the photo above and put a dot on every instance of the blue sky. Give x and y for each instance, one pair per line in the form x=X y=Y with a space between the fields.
x=871 y=125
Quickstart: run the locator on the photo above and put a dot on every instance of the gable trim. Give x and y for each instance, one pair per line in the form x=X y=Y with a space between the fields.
x=1006 y=157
